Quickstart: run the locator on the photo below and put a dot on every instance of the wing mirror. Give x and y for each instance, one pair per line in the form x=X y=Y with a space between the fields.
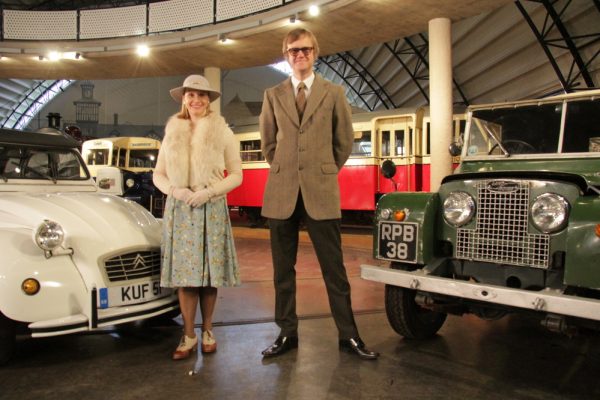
x=455 y=149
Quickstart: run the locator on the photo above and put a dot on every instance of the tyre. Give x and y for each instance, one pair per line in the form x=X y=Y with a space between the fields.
x=409 y=319
x=7 y=339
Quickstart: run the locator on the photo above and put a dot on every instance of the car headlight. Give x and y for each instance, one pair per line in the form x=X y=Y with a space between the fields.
x=459 y=208
x=49 y=235
x=385 y=213
x=130 y=182
x=550 y=212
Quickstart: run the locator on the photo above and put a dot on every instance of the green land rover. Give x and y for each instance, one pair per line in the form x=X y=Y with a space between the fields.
x=515 y=229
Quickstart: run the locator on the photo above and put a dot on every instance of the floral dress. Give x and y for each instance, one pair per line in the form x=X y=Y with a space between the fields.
x=197 y=246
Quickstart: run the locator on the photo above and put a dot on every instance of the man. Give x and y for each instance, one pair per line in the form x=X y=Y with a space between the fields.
x=306 y=137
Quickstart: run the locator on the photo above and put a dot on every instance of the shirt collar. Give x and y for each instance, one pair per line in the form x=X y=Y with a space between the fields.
x=308 y=82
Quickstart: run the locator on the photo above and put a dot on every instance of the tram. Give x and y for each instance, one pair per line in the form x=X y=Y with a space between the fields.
x=401 y=135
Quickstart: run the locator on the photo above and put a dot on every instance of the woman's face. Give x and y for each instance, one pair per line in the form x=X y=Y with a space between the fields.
x=196 y=102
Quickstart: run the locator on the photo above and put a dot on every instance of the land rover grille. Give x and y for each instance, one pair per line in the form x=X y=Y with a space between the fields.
x=139 y=264
x=500 y=235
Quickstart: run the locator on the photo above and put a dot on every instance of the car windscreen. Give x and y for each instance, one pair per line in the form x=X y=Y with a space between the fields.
x=23 y=162
x=531 y=129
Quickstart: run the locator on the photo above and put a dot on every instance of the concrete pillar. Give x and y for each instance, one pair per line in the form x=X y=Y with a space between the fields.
x=213 y=75
x=440 y=95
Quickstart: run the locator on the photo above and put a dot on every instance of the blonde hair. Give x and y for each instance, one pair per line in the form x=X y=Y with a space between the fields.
x=184 y=113
x=296 y=34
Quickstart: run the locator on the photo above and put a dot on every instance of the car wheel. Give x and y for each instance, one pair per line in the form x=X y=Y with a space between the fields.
x=7 y=338
x=409 y=319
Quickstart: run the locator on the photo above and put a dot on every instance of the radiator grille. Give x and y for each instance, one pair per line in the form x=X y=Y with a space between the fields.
x=500 y=235
x=126 y=267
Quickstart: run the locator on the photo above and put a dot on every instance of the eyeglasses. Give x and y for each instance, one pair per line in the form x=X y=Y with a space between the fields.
x=295 y=50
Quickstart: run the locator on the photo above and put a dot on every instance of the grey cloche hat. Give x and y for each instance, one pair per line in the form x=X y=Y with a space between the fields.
x=195 y=82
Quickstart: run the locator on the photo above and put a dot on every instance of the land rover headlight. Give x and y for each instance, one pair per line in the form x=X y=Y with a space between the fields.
x=550 y=212
x=459 y=208
x=49 y=235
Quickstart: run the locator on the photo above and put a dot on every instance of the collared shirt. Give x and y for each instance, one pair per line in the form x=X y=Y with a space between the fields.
x=308 y=82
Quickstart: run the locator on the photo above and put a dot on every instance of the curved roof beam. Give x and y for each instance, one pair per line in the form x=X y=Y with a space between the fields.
x=571 y=81
x=358 y=79
x=36 y=98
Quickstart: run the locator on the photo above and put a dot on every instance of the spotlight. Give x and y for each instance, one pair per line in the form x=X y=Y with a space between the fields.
x=223 y=39
x=71 y=55
x=54 y=56
x=143 y=50
x=313 y=10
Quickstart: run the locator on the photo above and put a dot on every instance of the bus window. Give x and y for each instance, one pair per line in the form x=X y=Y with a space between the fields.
x=399 y=137
x=385 y=143
x=115 y=155
x=428 y=138
x=250 y=150
x=410 y=141
x=98 y=157
x=142 y=158
x=122 y=154
x=362 y=144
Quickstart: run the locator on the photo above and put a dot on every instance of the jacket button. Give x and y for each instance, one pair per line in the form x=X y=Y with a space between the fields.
x=300 y=168
x=301 y=131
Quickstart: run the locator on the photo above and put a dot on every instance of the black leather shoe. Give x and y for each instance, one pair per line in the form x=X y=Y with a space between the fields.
x=281 y=345
x=356 y=346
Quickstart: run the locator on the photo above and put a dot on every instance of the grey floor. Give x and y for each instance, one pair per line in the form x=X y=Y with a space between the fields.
x=512 y=358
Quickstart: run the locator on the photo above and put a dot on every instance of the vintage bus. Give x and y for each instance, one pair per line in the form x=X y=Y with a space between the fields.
x=124 y=166
x=400 y=135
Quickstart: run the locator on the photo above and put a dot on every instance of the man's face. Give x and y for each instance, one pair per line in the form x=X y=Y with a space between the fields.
x=302 y=61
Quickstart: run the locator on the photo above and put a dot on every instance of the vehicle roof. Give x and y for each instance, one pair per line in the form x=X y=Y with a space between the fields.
x=45 y=137
x=585 y=94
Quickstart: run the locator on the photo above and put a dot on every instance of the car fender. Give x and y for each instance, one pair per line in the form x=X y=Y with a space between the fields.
x=582 y=261
x=62 y=290
x=420 y=208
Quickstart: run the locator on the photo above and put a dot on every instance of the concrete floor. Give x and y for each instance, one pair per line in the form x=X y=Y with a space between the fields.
x=512 y=358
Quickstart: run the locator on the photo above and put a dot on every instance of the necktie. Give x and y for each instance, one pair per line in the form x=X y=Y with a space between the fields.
x=301 y=99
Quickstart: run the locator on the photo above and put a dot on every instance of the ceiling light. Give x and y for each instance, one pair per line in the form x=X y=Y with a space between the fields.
x=313 y=10
x=224 y=40
x=143 y=50
x=54 y=55
x=71 y=55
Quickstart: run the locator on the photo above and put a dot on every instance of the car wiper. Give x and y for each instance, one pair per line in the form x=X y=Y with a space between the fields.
x=498 y=141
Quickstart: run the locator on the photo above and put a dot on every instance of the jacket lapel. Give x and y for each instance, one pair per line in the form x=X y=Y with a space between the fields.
x=317 y=92
x=285 y=94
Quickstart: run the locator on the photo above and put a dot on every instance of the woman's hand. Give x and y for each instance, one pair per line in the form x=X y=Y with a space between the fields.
x=198 y=198
x=182 y=194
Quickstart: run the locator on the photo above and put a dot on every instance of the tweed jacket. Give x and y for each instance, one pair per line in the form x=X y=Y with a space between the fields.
x=198 y=158
x=305 y=155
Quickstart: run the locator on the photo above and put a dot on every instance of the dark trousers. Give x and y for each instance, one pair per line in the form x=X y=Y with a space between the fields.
x=327 y=242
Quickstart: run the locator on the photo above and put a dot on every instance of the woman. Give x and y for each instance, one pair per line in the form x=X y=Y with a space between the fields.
x=198 y=253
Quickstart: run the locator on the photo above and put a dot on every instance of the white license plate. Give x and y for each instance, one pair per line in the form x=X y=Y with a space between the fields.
x=135 y=293
x=398 y=241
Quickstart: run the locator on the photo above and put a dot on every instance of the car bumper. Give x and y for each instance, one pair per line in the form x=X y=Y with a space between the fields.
x=103 y=317
x=547 y=300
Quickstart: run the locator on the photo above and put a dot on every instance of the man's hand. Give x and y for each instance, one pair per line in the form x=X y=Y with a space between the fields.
x=182 y=194
x=198 y=198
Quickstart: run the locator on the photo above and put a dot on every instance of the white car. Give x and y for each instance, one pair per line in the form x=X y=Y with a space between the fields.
x=72 y=259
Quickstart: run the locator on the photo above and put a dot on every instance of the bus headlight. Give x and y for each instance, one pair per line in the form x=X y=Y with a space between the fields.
x=130 y=182
x=550 y=212
x=49 y=235
x=459 y=208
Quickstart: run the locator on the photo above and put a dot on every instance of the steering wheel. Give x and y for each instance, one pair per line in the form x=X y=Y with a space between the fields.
x=515 y=146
